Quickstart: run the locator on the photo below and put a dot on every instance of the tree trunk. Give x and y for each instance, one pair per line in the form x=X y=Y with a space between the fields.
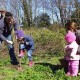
x=27 y=13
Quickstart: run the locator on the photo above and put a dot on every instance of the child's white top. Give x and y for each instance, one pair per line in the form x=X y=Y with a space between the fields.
x=71 y=51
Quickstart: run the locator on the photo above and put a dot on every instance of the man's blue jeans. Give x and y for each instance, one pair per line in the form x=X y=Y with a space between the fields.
x=11 y=50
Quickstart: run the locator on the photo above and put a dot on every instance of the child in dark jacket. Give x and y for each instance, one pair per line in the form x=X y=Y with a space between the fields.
x=26 y=42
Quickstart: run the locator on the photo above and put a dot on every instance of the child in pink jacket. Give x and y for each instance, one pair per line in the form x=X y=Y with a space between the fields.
x=71 y=54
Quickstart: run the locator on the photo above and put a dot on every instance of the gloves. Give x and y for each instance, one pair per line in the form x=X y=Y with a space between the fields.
x=27 y=43
x=10 y=42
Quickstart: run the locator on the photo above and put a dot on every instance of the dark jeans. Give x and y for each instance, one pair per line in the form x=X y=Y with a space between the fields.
x=11 y=51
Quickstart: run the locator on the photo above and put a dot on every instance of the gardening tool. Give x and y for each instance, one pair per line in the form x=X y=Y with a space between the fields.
x=21 y=55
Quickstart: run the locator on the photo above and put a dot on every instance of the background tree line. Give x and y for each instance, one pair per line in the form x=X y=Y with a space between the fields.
x=43 y=13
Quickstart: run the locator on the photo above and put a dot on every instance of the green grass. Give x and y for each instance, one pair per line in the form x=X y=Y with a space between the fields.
x=44 y=69
x=49 y=46
x=47 y=41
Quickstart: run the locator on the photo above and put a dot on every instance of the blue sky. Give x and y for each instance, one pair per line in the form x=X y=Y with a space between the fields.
x=39 y=9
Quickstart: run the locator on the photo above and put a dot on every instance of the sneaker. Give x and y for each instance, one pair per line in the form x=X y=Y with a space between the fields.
x=20 y=55
x=68 y=74
x=31 y=63
x=14 y=62
x=73 y=75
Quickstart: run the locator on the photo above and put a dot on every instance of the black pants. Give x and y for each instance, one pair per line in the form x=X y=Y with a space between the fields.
x=11 y=51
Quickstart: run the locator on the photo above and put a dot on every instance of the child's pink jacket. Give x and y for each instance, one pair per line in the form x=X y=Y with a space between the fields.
x=71 y=51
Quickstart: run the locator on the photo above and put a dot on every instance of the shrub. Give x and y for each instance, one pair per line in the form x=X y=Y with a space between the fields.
x=47 y=41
